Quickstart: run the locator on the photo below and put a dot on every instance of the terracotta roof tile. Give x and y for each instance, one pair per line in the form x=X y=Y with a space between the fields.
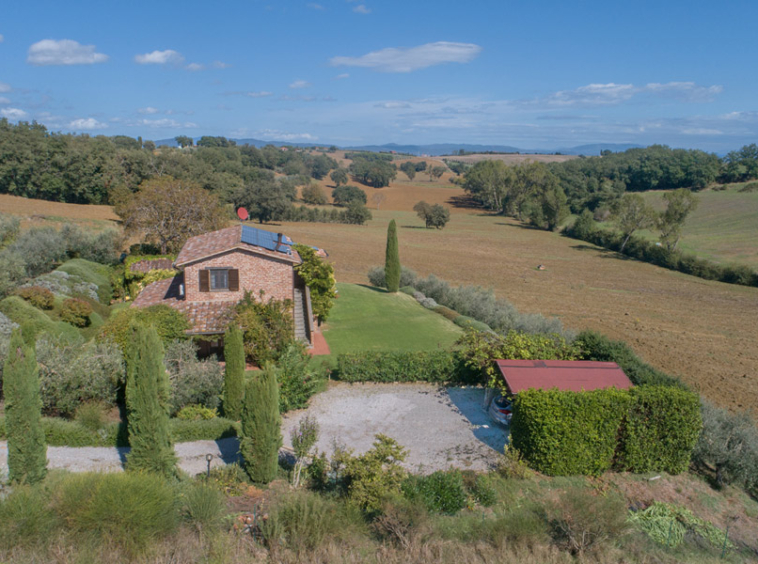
x=215 y=242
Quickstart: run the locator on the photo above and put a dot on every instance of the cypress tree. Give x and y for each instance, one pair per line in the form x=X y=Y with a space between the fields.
x=234 y=373
x=261 y=426
x=27 y=450
x=147 y=405
x=392 y=260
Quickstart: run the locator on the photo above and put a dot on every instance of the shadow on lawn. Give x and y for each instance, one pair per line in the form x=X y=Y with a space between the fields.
x=468 y=401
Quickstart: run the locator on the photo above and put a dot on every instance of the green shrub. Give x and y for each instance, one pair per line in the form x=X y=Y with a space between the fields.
x=440 y=492
x=26 y=517
x=33 y=321
x=749 y=187
x=413 y=366
x=595 y=346
x=193 y=381
x=183 y=431
x=267 y=327
x=470 y=323
x=408 y=290
x=392 y=259
x=483 y=491
x=170 y=324
x=401 y=521
x=234 y=373
x=127 y=509
x=73 y=372
x=567 y=433
x=196 y=413
x=76 y=312
x=446 y=312
x=93 y=416
x=372 y=476
x=660 y=430
x=203 y=506
x=300 y=520
x=261 y=426
x=37 y=296
x=299 y=379
x=407 y=278
x=92 y=273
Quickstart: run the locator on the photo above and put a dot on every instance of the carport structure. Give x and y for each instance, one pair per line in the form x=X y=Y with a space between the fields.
x=567 y=375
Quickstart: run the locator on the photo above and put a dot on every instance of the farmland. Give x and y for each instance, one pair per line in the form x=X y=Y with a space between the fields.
x=702 y=331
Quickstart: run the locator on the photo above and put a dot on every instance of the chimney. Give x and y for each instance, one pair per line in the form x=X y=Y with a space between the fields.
x=278 y=241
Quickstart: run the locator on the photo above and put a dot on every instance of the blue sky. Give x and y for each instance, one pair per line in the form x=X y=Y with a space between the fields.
x=540 y=74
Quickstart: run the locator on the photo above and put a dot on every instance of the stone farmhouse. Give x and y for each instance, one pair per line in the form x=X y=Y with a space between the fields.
x=217 y=268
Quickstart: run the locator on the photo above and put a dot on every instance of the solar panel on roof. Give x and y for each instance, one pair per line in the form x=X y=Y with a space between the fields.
x=265 y=239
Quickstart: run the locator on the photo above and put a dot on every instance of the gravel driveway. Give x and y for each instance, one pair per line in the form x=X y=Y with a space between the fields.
x=441 y=427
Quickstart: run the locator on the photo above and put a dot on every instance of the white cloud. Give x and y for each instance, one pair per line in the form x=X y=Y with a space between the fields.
x=688 y=91
x=701 y=131
x=611 y=94
x=169 y=56
x=392 y=105
x=342 y=76
x=409 y=59
x=261 y=94
x=314 y=6
x=148 y=110
x=1 y=38
x=361 y=9
x=220 y=65
x=13 y=113
x=194 y=67
x=63 y=52
x=275 y=135
x=5 y=87
x=4 y=100
x=87 y=123
x=300 y=84
x=165 y=122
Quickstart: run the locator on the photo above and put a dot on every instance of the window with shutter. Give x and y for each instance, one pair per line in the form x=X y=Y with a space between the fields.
x=205 y=281
x=233 y=278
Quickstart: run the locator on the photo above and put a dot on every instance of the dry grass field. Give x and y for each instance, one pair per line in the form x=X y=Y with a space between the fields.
x=41 y=212
x=705 y=332
x=511 y=159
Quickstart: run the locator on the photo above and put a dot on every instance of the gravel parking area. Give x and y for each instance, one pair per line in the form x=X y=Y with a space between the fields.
x=440 y=427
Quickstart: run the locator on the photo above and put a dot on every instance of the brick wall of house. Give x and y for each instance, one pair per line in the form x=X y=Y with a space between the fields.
x=256 y=273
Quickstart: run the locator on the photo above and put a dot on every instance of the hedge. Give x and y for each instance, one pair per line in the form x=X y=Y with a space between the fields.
x=418 y=366
x=568 y=433
x=660 y=431
x=63 y=432
x=471 y=323
x=645 y=429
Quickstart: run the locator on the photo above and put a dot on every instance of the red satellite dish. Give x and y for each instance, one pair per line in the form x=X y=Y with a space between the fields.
x=242 y=214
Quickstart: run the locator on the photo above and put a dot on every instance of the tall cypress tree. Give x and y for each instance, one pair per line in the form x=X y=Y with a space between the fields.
x=392 y=260
x=261 y=426
x=27 y=450
x=147 y=404
x=234 y=373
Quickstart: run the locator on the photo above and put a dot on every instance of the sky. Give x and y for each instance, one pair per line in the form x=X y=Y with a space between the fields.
x=530 y=74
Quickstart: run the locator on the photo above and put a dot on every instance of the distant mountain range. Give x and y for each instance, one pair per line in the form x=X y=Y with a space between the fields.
x=439 y=149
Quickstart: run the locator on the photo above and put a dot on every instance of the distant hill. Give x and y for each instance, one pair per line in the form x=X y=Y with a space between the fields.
x=438 y=149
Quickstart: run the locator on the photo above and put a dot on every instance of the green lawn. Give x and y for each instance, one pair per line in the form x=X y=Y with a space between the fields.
x=366 y=319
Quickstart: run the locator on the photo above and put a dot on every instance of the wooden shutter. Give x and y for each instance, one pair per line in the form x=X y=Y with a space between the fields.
x=205 y=280
x=233 y=277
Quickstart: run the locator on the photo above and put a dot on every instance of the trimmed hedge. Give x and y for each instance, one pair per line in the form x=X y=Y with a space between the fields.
x=471 y=323
x=568 y=433
x=419 y=366
x=646 y=429
x=446 y=312
x=660 y=431
x=63 y=432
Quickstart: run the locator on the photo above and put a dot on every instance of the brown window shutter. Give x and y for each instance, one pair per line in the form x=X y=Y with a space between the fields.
x=205 y=280
x=234 y=279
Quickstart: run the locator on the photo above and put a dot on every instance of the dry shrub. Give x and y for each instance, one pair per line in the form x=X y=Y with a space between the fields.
x=581 y=520
x=512 y=465
x=402 y=522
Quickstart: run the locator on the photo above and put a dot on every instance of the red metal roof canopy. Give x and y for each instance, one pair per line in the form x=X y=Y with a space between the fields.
x=569 y=375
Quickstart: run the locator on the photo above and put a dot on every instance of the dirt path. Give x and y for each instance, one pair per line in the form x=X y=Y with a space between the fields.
x=439 y=427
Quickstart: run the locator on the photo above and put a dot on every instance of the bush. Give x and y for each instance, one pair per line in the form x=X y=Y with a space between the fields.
x=129 y=510
x=37 y=296
x=376 y=277
x=92 y=273
x=483 y=490
x=660 y=430
x=234 y=373
x=267 y=327
x=74 y=372
x=196 y=413
x=170 y=324
x=401 y=521
x=93 y=416
x=440 y=492
x=412 y=366
x=314 y=194
x=727 y=449
x=512 y=464
x=204 y=506
x=193 y=381
x=568 y=433
x=76 y=312
x=298 y=378
x=261 y=426
x=33 y=321
x=445 y=312
x=749 y=187
x=595 y=346
x=300 y=520
x=183 y=431
x=471 y=323
x=26 y=517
